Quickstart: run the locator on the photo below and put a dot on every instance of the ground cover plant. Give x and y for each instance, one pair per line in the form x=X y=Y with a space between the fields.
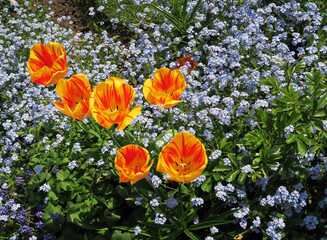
x=208 y=122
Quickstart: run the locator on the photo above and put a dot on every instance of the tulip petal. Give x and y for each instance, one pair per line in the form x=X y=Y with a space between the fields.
x=112 y=100
x=165 y=88
x=42 y=76
x=148 y=93
x=132 y=163
x=162 y=81
x=55 y=50
x=101 y=120
x=183 y=158
x=129 y=117
x=75 y=93
x=47 y=63
x=171 y=104
x=56 y=76
x=39 y=57
x=61 y=107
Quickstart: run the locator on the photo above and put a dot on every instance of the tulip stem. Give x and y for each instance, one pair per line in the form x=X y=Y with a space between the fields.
x=128 y=137
x=95 y=127
x=171 y=121
x=113 y=138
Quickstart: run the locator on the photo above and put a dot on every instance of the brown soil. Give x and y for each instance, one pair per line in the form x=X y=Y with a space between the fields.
x=66 y=8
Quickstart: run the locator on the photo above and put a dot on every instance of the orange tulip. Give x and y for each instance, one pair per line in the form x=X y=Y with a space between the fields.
x=181 y=62
x=75 y=94
x=132 y=163
x=183 y=158
x=111 y=101
x=165 y=88
x=47 y=63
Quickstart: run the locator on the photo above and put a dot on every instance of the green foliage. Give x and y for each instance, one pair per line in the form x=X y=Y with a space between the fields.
x=180 y=18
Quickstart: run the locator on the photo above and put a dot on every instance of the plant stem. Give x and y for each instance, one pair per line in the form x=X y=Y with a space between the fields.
x=171 y=121
x=113 y=138
x=128 y=137
x=95 y=126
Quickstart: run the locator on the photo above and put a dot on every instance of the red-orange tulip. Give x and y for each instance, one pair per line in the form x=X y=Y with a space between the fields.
x=165 y=88
x=111 y=101
x=132 y=163
x=183 y=158
x=75 y=94
x=47 y=63
x=181 y=62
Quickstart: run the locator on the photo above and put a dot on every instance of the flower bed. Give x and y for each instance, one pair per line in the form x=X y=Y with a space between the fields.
x=209 y=124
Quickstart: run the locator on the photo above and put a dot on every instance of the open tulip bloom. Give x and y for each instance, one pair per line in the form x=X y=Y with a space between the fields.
x=47 y=63
x=111 y=101
x=183 y=158
x=75 y=94
x=165 y=88
x=132 y=163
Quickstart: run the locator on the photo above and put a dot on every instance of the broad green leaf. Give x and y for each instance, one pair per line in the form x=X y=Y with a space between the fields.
x=206 y=186
x=294 y=118
x=291 y=138
x=52 y=196
x=320 y=114
x=111 y=217
x=62 y=175
x=232 y=175
x=241 y=178
x=305 y=139
x=232 y=157
x=322 y=101
x=265 y=171
x=314 y=149
x=73 y=212
x=256 y=160
x=275 y=149
x=301 y=147
x=221 y=168
x=117 y=235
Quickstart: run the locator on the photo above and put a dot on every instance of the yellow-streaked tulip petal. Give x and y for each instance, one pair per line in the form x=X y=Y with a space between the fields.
x=41 y=75
x=183 y=158
x=165 y=88
x=129 y=117
x=132 y=163
x=116 y=82
x=171 y=104
x=61 y=107
x=112 y=100
x=56 y=76
x=55 y=50
x=163 y=81
x=148 y=93
x=47 y=63
x=75 y=93
x=101 y=120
